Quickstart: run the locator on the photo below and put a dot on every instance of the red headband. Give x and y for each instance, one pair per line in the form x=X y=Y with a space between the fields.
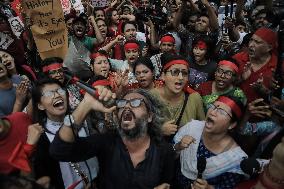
x=50 y=67
x=201 y=45
x=97 y=54
x=169 y=64
x=128 y=46
x=101 y=83
x=229 y=64
x=96 y=83
x=167 y=38
x=232 y=104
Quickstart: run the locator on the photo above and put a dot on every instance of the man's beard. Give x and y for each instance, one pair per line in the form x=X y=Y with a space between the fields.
x=140 y=129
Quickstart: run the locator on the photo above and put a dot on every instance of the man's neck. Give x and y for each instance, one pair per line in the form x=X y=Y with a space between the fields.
x=6 y=84
x=137 y=144
x=260 y=60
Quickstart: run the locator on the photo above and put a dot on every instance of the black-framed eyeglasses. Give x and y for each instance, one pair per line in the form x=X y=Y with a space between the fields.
x=54 y=72
x=219 y=110
x=51 y=93
x=227 y=73
x=176 y=72
x=134 y=103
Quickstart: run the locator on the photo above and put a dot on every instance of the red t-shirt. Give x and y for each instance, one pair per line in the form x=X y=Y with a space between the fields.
x=18 y=133
x=266 y=71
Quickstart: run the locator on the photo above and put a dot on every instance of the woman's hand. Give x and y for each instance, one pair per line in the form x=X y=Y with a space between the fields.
x=169 y=128
x=184 y=143
x=34 y=133
x=201 y=184
x=259 y=108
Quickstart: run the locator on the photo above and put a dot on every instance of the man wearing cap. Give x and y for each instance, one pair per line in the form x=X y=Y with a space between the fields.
x=258 y=62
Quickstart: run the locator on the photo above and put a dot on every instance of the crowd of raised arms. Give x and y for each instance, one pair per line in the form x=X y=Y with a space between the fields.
x=141 y=94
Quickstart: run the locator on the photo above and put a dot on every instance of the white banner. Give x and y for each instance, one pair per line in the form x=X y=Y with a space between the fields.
x=99 y=3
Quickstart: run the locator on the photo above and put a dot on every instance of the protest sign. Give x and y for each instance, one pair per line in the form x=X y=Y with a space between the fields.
x=66 y=6
x=5 y=40
x=48 y=27
x=17 y=26
x=78 y=6
x=99 y=3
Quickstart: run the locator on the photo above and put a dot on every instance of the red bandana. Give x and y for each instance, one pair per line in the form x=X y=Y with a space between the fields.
x=50 y=67
x=268 y=36
x=234 y=107
x=229 y=64
x=129 y=46
x=167 y=38
x=96 y=55
x=169 y=64
x=201 y=45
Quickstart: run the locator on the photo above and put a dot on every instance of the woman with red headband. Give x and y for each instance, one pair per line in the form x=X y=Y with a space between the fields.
x=211 y=140
x=132 y=52
x=178 y=106
x=224 y=84
x=202 y=67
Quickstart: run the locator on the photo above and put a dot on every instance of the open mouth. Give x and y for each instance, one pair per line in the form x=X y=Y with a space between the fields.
x=58 y=104
x=178 y=85
x=79 y=31
x=209 y=122
x=220 y=82
x=127 y=116
x=8 y=65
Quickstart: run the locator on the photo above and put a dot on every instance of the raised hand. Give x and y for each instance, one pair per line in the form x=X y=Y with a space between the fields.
x=34 y=133
x=169 y=128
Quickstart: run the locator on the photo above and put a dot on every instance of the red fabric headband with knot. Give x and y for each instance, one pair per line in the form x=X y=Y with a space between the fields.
x=230 y=65
x=129 y=46
x=173 y=62
x=54 y=66
x=201 y=45
x=232 y=104
x=97 y=54
x=167 y=38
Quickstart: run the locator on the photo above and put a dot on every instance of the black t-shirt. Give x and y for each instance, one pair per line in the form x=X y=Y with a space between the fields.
x=201 y=73
x=116 y=168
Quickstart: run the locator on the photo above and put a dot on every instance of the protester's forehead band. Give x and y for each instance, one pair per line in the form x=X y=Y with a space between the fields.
x=232 y=104
x=101 y=83
x=201 y=45
x=173 y=62
x=129 y=46
x=167 y=38
x=229 y=64
x=51 y=67
x=96 y=55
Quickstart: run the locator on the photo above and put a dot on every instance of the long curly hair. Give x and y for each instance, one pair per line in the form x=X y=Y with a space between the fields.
x=154 y=108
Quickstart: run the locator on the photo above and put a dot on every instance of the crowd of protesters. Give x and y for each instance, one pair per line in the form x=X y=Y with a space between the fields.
x=185 y=92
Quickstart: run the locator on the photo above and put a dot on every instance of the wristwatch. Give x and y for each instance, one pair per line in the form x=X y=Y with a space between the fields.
x=68 y=120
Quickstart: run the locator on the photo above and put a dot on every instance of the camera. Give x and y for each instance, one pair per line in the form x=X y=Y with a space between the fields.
x=154 y=13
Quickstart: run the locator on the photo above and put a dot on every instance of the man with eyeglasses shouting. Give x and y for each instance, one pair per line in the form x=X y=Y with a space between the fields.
x=211 y=139
x=133 y=157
